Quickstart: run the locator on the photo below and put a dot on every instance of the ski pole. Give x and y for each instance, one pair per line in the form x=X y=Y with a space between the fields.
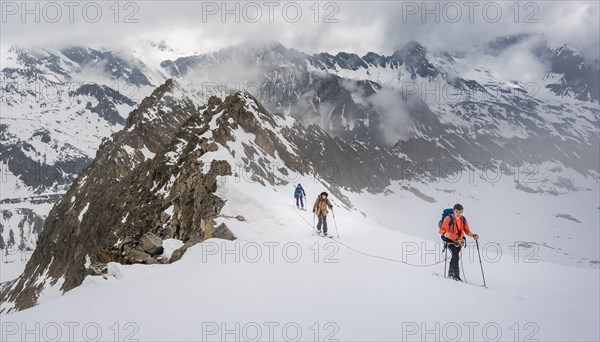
x=462 y=267
x=335 y=223
x=480 y=264
x=313 y=227
x=445 y=257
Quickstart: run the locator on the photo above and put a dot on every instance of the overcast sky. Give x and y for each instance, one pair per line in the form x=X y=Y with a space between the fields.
x=352 y=26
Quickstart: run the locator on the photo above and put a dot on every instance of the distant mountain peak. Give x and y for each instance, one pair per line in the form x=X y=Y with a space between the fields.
x=413 y=46
x=500 y=44
x=566 y=50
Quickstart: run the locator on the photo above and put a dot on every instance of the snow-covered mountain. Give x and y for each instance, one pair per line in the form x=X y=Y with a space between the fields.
x=158 y=176
x=207 y=187
x=370 y=129
x=438 y=108
x=57 y=106
x=343 y=93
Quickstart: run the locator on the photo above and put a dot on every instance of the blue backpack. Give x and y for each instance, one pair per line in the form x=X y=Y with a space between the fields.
x=449 y=212
x=299 y=191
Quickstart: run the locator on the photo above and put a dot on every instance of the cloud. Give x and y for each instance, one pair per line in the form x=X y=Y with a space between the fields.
x=352 y=26
x=393 y=110
x=518 y=62
x=394 y=114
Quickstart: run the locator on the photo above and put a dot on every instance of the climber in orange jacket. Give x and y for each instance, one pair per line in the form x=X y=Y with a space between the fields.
x=453 y=230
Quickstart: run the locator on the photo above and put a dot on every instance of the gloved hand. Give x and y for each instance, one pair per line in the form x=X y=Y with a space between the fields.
x=313 y=210
x=446 y=235
x=475 y=236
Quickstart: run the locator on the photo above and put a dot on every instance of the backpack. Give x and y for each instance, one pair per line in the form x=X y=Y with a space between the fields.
x=321 y=200
x=449 y=212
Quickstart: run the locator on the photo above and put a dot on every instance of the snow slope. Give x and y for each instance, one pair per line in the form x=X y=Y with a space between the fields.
x=278 y=282
x=560 y=228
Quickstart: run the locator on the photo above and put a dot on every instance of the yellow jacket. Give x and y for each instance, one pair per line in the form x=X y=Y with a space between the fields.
x=321 y=205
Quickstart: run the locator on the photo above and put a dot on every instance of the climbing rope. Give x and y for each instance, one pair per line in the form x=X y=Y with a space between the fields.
x=375 y=256
x=385 y=258
x=303 y=219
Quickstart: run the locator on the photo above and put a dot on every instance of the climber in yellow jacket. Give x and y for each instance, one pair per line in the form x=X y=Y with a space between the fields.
x=320 y=209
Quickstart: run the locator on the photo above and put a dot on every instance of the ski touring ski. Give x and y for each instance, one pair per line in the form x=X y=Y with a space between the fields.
x=458 y=281
x=327 y=236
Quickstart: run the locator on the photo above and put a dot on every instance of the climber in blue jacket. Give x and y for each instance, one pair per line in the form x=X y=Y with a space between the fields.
x=298 y=194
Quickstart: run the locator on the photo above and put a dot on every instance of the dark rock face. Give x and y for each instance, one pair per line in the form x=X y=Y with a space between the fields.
x=114 y=65
x=106 y=99
x=29 y=225
x=98 y=268
x=220 y=232
x=415 y=59
x=580 y=79
x=151 y=244
x=500 y=44
x=111 y=209
x=36 y=173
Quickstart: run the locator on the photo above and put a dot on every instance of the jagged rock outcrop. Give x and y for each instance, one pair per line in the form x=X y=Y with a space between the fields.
x=122 y=196
x=151 y=244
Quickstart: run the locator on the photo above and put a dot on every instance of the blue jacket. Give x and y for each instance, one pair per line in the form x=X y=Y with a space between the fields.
x=299 y=192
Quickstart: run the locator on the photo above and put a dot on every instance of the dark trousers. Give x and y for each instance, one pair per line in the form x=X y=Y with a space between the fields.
x=322 y=221
x=455 y=257
x=301 y=201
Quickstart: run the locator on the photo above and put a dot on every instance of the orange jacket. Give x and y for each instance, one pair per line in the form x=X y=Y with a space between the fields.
x=457 y=231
